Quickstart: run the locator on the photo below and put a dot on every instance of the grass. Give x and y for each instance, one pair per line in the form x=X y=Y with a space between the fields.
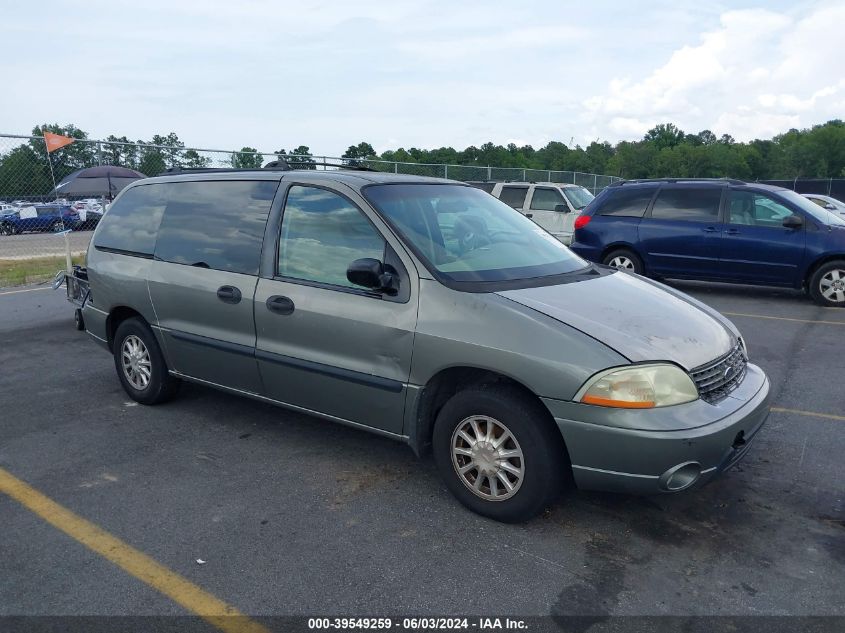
x=20 y=272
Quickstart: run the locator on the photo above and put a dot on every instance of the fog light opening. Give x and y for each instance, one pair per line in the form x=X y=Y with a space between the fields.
x=739 y=440
x=680 y=477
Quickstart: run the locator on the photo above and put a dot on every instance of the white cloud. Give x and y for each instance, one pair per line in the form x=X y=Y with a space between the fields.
x=758 y=74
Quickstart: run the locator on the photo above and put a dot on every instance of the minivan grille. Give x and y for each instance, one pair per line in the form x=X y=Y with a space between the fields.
x=717 y=379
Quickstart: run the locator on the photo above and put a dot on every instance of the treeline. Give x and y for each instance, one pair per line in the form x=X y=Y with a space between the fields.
x=664 y=151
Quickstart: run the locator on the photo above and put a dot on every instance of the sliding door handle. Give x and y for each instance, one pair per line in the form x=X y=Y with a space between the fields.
x=280 y=304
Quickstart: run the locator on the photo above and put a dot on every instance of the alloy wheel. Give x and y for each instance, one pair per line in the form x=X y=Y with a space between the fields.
x=832 y=285
x=487 y=458
x=135 y=360
x=621 y=261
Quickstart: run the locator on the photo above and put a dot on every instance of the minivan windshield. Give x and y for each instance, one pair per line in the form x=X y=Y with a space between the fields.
x=808 y=206
x=578 y=197
x=463 y=234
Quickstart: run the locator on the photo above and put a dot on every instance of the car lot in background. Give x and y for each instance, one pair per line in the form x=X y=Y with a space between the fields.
x=717 y=230
x=553 y=206
x=292 y=514
x=41 y=218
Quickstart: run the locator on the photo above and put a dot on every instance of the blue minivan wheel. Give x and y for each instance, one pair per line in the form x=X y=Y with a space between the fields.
x=624 y=259
x=827 y=285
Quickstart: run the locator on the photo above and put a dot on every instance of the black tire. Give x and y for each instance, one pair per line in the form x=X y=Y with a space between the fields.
x=78 y=320
x=829 y=277
x=5 y=229
x=626 y=254
x=545 y=467
x=161 y=386
x=56 y=227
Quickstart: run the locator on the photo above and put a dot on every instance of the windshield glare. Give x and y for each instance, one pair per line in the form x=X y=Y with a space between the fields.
x=578 y=197
x=808 y=206
x=466 y=235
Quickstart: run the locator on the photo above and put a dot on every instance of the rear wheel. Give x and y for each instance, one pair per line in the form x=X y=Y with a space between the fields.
x=140 y=364
x=827 y=285
x=624 y=259
x=56 y=227
x=6 y=229
x=498 y=453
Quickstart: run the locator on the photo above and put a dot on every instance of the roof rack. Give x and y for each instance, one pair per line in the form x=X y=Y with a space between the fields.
x=287 y=165
x=276 y=165
x=636 y=181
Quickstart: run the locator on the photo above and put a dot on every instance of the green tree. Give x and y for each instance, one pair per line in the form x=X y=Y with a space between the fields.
x=664 y=135
x=195 y=160
x=246 y=158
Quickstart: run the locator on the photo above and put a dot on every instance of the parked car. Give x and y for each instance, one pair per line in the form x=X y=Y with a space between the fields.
x=38 y=218
x=553 y=206
x=90 y=212
x=717 y=230
x=826 y=202
x=429 y=312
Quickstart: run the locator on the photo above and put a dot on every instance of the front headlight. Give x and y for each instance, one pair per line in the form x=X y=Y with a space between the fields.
x=639 y=387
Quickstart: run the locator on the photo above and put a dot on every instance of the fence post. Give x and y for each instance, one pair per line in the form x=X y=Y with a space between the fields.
x=99 y=153
x=395 y=167
x=445 y=171
x=550 y=175
x=829 y=185
x=523 y=176
x=489 y=173
x=595 y=183
x=573 y=177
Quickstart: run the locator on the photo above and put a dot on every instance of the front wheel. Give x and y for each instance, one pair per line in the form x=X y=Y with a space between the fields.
x=140 y=364
x=624 y=259
x=827 y=285
x=498 y=453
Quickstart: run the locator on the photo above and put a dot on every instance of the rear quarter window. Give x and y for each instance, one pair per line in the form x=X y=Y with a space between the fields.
x=131 y=223
x=631 y=203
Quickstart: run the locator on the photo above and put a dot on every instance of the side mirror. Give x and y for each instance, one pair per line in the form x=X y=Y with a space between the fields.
x=562 y=208
x=370 y=273
x=793 y=222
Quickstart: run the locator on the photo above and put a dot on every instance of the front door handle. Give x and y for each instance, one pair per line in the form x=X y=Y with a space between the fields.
x=279 y=304
x=710 y=229
x=732 y=232
x=229 y=294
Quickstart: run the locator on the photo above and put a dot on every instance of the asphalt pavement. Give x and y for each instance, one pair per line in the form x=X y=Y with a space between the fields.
x=295 y=515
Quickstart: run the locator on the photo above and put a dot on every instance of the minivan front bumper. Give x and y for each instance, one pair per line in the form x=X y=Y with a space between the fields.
x=638 y=461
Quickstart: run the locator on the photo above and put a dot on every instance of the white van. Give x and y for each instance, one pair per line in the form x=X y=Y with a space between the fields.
x=554 y=206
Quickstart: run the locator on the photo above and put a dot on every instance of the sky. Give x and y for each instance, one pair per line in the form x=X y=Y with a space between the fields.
x=424 y=73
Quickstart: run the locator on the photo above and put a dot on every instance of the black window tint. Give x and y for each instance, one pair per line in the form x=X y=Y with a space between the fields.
x=546 y=199
x=131 y=223
x=322 y=233
x=626 y=202
x=687 y=203
x=218 y=225
x=513 y=196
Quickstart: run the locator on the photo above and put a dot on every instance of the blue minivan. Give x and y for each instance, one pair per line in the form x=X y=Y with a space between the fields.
x=716 y=230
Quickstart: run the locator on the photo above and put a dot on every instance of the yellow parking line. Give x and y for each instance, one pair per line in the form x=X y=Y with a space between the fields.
x=776 y=318
x=813 y=414
x=179 y=589
x=15 y=292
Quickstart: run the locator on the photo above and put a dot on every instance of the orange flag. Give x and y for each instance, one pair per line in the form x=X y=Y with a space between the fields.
x=56 y=141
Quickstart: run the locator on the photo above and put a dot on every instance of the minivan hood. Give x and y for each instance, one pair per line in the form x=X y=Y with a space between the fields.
x=636 y=318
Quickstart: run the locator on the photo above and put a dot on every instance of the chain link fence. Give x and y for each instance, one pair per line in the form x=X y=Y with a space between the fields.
x=39 y=224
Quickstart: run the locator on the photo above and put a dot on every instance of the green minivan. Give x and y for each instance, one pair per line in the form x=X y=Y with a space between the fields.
x=427 y=311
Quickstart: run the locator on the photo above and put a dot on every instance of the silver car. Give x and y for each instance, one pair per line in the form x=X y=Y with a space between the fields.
x=427 y=311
